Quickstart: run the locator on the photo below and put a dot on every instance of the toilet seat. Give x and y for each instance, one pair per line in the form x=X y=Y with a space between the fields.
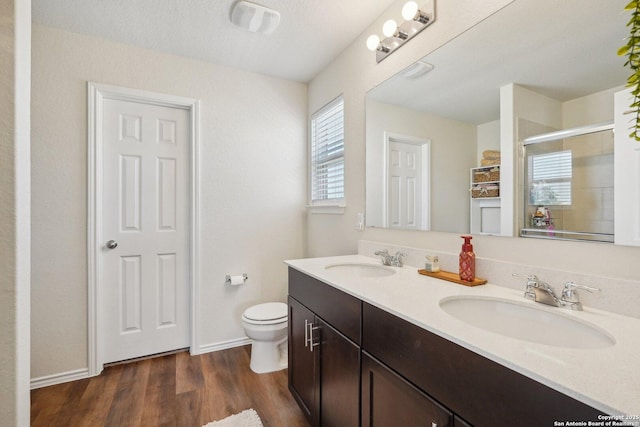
x=266 y=314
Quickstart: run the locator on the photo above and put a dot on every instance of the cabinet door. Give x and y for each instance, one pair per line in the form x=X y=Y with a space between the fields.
x=302 y=361
x=459 y=422
x=389 y=400
x=339 y=379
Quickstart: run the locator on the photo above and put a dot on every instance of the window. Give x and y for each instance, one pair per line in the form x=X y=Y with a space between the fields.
x=550 y=178
x=327 y=153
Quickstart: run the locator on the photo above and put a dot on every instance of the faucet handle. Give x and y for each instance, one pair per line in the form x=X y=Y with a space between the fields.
x=569 y=291
x=397 y=258
x=532 y=282
x=570 y=296
x=574 y=285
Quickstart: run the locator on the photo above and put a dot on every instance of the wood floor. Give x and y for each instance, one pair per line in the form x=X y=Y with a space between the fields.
x=176 y=390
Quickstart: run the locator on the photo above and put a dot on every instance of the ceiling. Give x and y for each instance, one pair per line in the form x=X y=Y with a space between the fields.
x=562 y=49
x=311 y=32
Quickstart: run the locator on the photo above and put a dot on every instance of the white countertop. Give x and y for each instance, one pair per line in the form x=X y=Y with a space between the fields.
x=607 y=379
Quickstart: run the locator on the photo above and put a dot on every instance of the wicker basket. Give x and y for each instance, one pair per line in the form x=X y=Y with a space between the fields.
x=480 y=192
x=486 y=175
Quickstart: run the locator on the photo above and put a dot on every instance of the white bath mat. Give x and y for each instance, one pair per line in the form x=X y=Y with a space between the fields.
x=246 y=418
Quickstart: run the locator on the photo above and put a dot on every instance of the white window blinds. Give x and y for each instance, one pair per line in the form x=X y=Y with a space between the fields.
x=550 y=178
x=327 y=152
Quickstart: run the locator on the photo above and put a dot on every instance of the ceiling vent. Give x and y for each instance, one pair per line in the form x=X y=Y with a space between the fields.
x=416 y=70
x=254 y=17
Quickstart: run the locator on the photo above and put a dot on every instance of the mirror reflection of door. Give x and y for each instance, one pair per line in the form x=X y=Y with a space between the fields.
x=407 y=196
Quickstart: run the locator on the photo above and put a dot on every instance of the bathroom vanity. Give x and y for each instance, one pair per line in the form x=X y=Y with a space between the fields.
x=324 y=351
x=368 y=346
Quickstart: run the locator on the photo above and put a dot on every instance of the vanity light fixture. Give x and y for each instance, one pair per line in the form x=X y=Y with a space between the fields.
x=391 y=29
x=373 y=43
x=417 y=19
x=410 y=12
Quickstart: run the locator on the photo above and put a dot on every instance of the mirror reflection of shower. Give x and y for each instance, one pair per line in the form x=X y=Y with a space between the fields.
x=568 y=184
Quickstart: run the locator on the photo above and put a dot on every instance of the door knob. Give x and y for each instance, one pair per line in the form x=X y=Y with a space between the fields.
x=112 y=244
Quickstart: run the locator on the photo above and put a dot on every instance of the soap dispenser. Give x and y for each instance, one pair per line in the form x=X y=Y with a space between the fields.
x=467 y=261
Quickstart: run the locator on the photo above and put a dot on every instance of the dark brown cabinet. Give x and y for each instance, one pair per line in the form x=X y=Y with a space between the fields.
x=480 y=391
x=390 y=400
x=324 y=363
x=351 y=364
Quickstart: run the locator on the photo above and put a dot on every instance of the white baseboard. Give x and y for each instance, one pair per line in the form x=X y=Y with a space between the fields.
x=79 y=374
x=60 y=378
x=207 y=348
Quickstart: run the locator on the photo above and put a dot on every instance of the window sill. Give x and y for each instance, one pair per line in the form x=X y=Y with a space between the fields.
x=326 y=209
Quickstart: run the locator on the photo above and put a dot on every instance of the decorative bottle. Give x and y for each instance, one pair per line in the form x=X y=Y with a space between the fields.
x=467 y=261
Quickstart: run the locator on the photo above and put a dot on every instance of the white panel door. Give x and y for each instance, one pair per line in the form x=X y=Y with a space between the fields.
x=145 y=213
x=404 y=192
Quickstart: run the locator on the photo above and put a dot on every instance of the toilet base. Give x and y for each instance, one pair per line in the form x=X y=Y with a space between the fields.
x=268 y=356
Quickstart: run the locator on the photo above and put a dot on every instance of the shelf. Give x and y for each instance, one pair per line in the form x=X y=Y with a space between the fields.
x=452 y=277
x=485 y=202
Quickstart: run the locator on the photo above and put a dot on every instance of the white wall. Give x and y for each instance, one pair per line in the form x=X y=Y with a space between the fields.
x=253 y=147
x=590 y=109
x=354 y=72
x=15 y=63
x=488 y=139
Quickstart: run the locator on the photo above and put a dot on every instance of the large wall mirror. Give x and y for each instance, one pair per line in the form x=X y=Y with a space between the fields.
x=435 y=132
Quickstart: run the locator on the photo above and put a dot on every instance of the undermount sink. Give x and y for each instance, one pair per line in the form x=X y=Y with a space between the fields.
x=360 y=269
x=525 y=322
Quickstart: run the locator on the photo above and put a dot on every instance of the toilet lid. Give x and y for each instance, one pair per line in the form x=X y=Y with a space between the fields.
x=266 y=311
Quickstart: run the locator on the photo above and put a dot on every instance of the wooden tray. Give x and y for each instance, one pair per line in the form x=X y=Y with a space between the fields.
x=452 y=277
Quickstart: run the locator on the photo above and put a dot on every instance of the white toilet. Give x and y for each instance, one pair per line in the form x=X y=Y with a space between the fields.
x=266 y=324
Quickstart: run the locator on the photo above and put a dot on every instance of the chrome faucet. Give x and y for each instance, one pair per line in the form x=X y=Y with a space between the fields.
x=541 y=292
x=392 y=260
x=538 y=290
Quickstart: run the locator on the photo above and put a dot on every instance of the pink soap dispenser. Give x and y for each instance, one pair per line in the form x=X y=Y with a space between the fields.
x=467 y=261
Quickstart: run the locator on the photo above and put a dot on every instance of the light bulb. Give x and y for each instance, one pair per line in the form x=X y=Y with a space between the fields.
x=373 y=42
x=409 y=10
x=389 y=28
